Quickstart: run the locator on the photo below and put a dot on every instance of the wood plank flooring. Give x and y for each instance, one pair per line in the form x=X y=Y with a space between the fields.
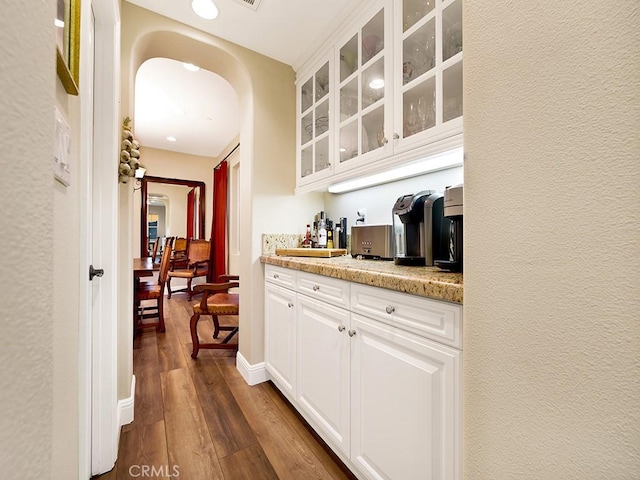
x=199 y=420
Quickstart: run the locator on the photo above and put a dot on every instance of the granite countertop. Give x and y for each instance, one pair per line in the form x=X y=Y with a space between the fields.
x=424 y=281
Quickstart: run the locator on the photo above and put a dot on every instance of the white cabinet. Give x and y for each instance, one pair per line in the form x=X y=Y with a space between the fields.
x=323 y=368
x=405 y=405
x=364 y=94
x=427 y=72
x=395 y=91
x=280 y=334
x=376 y=372
x=314 y=101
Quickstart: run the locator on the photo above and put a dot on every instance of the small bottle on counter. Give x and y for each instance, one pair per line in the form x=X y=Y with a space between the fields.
x=329 y=234
x=306 y=243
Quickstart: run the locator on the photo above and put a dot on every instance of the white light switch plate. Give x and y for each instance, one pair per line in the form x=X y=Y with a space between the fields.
x=61 y=149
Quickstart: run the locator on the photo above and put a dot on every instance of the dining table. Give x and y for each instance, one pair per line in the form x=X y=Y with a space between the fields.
x=143 y=267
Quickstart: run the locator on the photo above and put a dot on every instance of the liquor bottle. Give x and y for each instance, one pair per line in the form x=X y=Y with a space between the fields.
x=306 y=243
x=322 y=233
x=314 y=235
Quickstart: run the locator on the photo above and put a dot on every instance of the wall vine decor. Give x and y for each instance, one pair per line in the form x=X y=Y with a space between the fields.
x=129 y=153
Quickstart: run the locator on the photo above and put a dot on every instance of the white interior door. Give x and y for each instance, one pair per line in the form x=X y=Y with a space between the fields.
x=99 y=136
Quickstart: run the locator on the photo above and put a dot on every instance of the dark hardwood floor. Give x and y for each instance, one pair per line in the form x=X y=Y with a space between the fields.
x=199 y=420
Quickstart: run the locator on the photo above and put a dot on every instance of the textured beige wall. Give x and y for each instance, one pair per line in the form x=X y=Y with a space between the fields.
x=27 y=97
x=552 y=195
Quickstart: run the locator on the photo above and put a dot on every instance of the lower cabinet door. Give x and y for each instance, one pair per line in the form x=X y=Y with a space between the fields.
x=280 y=336
x=323 y=368
x=406 y=405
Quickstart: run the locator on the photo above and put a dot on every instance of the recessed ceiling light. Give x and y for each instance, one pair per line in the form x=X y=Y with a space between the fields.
x=205 y=9
x=376 y=83
x=191 y=67
x=171 y=139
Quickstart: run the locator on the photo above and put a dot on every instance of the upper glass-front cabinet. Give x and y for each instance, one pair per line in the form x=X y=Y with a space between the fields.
x=314 y=123
x=388 y=91
x=363 y=91
x=429 y=71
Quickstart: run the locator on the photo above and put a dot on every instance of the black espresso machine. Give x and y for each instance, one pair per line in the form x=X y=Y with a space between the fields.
x=421 y=233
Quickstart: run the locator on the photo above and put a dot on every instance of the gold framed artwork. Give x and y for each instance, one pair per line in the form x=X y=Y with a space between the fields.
x=67 y=23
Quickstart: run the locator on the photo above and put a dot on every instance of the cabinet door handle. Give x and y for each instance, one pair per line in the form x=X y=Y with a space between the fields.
x=316 y=288
x=341 y=328
x=290 y=305
x=276 y=276
x=390 y=309
x=396 y=136
x=352 y=333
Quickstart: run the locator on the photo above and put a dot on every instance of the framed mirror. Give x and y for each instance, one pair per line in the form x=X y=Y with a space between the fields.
x=165 y=198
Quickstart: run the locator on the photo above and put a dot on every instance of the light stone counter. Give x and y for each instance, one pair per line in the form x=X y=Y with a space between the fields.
x=424 y=281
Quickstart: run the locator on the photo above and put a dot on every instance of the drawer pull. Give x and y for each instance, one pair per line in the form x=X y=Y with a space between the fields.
x=290 y=305
x=341 y=328
x=316 y=288
x=390 y=309
x=352 y=333
x=276 y=276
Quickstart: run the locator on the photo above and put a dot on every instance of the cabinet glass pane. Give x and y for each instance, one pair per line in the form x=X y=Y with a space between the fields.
x=306 y=95
x=322 y=118
x=322 y=82
x=419 y=52
x=306 y=161
x=322 y=154
x=419 y=108
x=414 y=10
x=373 y=83
x=306 y=128
x=452 y=92
x=349 y=100
x=373 y=37
x=452 y=30
x=373 y=130
x=349 y=141
x=349 y=58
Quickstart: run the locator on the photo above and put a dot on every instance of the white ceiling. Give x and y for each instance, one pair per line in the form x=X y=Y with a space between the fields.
x=200 y=109
x=286 y=30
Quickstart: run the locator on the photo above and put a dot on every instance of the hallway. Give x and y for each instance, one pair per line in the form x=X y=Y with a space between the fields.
x=199 y=420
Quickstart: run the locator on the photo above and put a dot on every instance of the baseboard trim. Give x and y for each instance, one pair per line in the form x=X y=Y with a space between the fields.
x=126 y=405
x=252 y=374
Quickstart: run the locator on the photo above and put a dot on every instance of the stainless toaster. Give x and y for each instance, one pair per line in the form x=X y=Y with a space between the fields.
x=372 y=241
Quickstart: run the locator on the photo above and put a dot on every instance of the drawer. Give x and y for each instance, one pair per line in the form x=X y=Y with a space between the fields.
x=434 y=319
x=284 y=277
x=327 y=289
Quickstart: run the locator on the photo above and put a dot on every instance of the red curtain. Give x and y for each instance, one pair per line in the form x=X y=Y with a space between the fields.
x=191 y=204
x=219 y=224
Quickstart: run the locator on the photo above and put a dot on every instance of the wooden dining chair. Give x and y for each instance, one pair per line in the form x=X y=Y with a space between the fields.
x=156 y=249
x=216 y=300
x=153 y=291
x=197 y=266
